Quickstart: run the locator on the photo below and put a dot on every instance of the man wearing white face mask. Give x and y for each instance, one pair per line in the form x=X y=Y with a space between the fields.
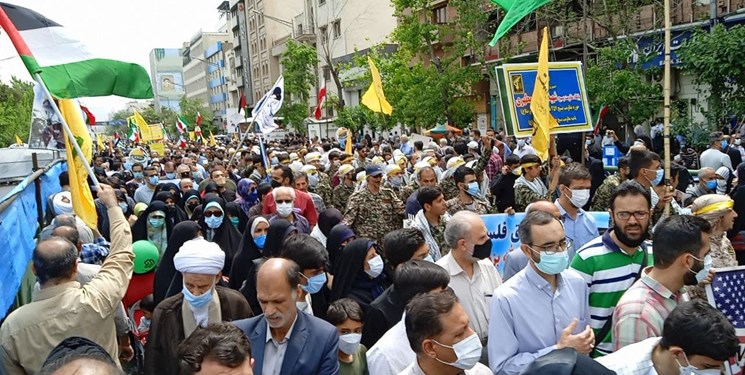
x=696 y=339
x=438 y=331
x=574 y=193
x=523 y=148
x=200 y=303
x=285 y=200
x=681 y=257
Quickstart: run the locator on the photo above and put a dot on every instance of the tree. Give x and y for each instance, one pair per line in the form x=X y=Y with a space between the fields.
x=168 y=117
x=299 y=61
x=16 y=102
x=716 y=60
x=623 y=86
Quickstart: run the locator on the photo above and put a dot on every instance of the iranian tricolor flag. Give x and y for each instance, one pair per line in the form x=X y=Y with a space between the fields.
x=199 y=119
x=182 y=125
x=134 y=134
x=67 y=67
x=321 y=99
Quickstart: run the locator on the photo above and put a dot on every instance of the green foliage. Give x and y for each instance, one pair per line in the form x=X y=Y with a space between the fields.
x=356 y=118
x=299 y=62
x=716 y=60
x=16 y=102
x=168 y=117
x=625 y=88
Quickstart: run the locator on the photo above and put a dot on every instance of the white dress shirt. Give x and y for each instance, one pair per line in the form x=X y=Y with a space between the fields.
x=414 y=369
x=474 y=294
x=634 y=359
x=392 y=353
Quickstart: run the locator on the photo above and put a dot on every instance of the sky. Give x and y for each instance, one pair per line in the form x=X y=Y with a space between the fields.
x=121 y=30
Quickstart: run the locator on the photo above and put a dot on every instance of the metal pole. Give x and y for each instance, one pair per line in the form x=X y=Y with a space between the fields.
x=261 y=143
x=584 y=68
x=68 y=132
x=666 y=91
x=37 y=193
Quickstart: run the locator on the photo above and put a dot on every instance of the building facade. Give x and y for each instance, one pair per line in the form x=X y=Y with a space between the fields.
x=166 y=74
x=203 y=61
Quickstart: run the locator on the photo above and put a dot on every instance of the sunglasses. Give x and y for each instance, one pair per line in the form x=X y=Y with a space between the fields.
x=210 y=213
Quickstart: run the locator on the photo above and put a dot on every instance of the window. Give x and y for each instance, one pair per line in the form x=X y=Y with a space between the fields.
x=329 y=111
x=440 y=15
x=337 y=29
x=323 y=30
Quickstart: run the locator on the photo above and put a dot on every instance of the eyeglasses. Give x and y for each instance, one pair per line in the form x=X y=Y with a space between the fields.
x=210 y=213
x=638 y=215
x=552 y=248
x=284 y=201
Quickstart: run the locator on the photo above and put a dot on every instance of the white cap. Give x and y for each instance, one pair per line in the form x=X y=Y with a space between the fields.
x=392 y=168
x=296 y=166
x=455 y=162
x=312 y=156
x=344 y=169
x=473 y=145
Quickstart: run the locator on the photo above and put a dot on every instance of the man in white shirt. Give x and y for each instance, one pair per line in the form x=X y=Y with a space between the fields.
x=696 y=338
x=473 y=276
x=714 y=157
x=439 y=333
x=523 y=148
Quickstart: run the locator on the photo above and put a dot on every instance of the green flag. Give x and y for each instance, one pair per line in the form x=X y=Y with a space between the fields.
x=504 y=4
x=517 y=12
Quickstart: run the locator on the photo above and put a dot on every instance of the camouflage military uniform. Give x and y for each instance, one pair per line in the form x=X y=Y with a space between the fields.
x=601 y=200
x=324 y=189
x=481 y=207
x=398 y=190
x=373 y=215
x=449 y=188
x=341 y=196
x=407 y=190
x=438 y=233
x=524 y=196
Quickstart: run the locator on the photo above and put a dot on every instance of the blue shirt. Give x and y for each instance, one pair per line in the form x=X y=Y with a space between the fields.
x=407 y=149
x=412 y=204
x=527 y=317
x=580 y=230
x=96 y=252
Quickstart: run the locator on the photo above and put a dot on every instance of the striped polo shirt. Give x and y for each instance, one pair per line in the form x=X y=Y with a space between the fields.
x=609 y=272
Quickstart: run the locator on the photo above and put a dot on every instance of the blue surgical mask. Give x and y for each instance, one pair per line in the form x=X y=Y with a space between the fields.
x=473 y=189
x=521 y=143
x=711 y=185
x=195 y=174
x=588 y=142
x=213 y=221
x=124 y=206
x=153 y=180
x=701 y=275
x=138 y=175
x=260 y=241
x=429 y=258
x=156 y=222
x=315 y=283
x=197 y=301
x=170 y=176
x=658 y=177
x=552 y=264
x=693 y=370
x=234 y=221
x=724 y=144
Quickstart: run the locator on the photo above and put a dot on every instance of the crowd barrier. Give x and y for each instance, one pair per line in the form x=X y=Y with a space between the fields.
x=19 y=225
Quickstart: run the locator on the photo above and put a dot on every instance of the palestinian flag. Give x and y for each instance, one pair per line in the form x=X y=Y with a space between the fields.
x=133 y=134
x=89 y=118
x=182 y=125
x=67 y=67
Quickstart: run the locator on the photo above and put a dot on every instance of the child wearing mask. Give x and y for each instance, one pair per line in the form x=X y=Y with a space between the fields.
x=346 y=315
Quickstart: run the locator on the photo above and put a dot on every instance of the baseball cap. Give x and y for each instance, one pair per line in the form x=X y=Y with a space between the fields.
x=373 y=170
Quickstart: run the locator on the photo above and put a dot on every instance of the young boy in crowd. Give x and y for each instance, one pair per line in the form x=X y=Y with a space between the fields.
x=346 y=315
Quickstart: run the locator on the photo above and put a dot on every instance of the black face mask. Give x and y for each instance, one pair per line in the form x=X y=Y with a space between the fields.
x=192 y=206
x=482 y=251
x=276 y=184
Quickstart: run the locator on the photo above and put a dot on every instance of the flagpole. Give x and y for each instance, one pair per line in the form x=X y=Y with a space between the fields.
x=261 y=142
x=68 y=132
x=666 y=91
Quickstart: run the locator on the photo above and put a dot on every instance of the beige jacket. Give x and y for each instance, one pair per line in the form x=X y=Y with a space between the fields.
x=32 y=331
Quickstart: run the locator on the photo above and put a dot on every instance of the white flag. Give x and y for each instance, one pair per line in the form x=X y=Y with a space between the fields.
x=265 y=110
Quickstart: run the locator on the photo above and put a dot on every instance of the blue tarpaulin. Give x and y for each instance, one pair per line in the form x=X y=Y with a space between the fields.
x=18 y=227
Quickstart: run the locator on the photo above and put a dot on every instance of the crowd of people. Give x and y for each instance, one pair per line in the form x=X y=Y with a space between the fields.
x=307 y=259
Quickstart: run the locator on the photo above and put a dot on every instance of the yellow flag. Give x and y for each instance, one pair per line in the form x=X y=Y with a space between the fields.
x=212 y=139
x=374 y=97
x=19 y=142
x=82 y=199
x=99 y=142
x=143 y=126
x=543 y=120
x=191 y=136
x=348 y=145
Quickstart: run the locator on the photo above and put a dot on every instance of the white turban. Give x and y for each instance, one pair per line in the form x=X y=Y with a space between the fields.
x=62 y=203
x=199 y=256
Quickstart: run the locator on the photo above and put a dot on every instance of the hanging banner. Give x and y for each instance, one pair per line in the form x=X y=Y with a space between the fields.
x=502 y=229
x=567 y=97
